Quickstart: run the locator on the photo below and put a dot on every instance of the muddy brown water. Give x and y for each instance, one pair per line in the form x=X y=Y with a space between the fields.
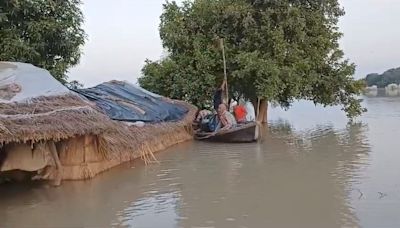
x=312 y=169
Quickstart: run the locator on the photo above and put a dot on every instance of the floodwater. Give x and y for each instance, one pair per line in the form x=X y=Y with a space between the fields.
x=312 y=169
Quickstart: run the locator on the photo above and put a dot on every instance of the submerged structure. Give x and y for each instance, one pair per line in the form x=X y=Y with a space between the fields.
x=50 y=132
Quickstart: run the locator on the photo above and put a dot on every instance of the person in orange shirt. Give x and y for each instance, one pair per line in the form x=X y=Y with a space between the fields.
x=240 y=113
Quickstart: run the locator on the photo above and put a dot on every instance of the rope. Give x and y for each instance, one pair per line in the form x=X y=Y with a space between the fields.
x=31 y=115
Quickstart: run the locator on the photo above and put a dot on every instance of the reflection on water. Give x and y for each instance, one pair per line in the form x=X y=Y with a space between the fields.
x=312 y=169
x=383 y=92
x=145 y=209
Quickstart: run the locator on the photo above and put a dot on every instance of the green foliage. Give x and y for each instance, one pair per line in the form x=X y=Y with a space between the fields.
x=391 y=76
x=279 y=50
x=46 y=33
x=74 y=84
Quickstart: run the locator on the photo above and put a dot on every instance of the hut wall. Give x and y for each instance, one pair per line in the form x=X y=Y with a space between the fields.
x=82 y=160
x=24 y=157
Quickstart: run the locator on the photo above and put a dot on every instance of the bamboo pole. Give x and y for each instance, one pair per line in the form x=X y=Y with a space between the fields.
x=54 y=154
x=225 y=74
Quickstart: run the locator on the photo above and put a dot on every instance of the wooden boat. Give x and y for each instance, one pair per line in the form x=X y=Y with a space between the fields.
x=243 y=133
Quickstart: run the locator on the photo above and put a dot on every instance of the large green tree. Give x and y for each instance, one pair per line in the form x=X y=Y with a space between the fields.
x=46 y=33
x=279 y=50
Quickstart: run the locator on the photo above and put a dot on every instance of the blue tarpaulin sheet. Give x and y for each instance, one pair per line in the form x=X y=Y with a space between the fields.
x=126 y=102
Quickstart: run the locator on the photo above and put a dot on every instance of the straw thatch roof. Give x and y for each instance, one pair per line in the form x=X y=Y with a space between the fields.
x=34 y=107
x=73 y=118
x=61 y=117
x=123 y=139
x=45 y=118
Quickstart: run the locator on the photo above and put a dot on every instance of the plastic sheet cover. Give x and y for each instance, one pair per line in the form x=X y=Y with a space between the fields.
x=21 y=81
x=126 y=102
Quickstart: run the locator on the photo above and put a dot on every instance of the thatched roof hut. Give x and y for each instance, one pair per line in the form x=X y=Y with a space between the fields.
x=58 y=134
x=35 y=107
x=49 y=118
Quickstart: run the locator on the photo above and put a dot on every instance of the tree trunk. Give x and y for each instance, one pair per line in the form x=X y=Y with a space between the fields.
x=263 y=111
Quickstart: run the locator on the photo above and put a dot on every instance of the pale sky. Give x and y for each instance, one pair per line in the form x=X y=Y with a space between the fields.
x=122 y=34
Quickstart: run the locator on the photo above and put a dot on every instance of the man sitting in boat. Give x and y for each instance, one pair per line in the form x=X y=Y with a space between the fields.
x=218 y=95
x=226 y=119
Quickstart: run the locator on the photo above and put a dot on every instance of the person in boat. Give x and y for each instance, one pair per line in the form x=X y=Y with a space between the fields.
x=250 y=112
x=206 y=121
x=218 y=96
x=226 y=119
x=240 y=112
x=209 y=121
x=202 y=114
x=232 y=106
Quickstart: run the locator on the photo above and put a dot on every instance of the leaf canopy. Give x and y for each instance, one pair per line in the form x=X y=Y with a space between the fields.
x=280 y=50
x=45 y=33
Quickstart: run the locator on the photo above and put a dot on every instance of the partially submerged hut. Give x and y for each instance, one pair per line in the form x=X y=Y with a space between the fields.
x=49 y=132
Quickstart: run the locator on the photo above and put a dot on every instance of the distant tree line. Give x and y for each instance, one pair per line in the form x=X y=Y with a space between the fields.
x=391 y=76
